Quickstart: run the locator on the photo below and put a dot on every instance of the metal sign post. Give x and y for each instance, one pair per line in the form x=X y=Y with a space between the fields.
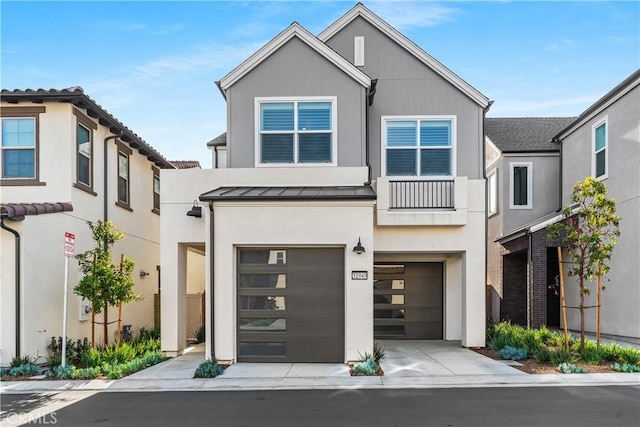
x=69 y=251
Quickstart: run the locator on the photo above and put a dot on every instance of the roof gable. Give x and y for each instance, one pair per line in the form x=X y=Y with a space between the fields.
x=294 y=30
x=359 y=10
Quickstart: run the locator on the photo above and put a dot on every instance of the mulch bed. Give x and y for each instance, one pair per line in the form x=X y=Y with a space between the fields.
x=534 y=366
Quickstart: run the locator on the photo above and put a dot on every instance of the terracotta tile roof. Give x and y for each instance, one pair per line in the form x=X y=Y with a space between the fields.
x=186 y=164
x=525 y=134
x=77 y=97
x=19 y=210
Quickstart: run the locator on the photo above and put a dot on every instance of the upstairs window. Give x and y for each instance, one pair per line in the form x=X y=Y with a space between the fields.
x=296 y=132
x=521 y=185
x=422 y=146
x=156 y=190
x=19 y=148
x=492 y=190
x=84 y=152
x=124 y=196
x=600 y=161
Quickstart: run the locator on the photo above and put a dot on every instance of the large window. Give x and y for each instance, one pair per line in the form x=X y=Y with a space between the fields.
x=296 y=131
x=419 y=146
x=521 y=185
x=600 y=160
x=124 y=195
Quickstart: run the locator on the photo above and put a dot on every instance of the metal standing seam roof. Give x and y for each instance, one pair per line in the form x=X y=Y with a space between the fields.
x=525 y=134
x=290 y=193
x=19 y=210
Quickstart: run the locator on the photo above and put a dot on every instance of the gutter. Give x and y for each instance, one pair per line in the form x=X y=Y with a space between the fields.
x=17 y=279
x=371 y=92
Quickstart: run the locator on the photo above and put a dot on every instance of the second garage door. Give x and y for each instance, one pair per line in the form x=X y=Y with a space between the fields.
x=290 y=305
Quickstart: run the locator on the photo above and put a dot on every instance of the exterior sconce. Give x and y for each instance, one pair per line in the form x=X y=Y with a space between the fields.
x=359 y=249
x=143 y=274
x=196 y=210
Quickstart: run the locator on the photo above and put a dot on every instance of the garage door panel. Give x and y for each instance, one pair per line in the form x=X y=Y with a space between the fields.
x=408 y=300
x=304 y=293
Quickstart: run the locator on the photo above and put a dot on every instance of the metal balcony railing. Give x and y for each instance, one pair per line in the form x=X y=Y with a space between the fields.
x=421 y=195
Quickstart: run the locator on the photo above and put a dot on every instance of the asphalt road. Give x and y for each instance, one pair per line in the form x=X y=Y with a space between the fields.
x=495 y=407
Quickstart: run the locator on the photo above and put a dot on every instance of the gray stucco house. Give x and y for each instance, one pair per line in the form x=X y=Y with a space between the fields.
x=603 y=142
x=347 y=203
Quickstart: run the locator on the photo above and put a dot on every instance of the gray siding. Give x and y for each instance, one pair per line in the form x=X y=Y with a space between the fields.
x=296 y=70
x=408 y=87
x=620 y=314
x=545 y=189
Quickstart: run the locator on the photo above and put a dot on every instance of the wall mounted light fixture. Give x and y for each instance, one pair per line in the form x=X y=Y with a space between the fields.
x=359 y=249
x=143 y=274
x=196 y=210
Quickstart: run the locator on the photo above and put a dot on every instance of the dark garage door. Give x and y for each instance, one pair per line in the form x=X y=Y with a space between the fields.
x=407 y=301
x=290 y=305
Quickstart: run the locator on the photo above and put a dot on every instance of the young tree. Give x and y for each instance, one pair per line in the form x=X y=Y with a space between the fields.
x=590 y=229
x=104 y=283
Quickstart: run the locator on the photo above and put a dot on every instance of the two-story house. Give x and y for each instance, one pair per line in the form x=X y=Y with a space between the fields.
x=348 y=204
x=65 y=161
x=523 y=171
x=602 y=142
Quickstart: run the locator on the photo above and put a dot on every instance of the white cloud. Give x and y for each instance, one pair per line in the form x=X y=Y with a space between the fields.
x=561 y=45
x=414 y=14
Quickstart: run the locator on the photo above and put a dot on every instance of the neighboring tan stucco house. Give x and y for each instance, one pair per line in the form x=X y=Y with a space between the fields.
x=348 y=202
x=53 y=180
x=603 y=142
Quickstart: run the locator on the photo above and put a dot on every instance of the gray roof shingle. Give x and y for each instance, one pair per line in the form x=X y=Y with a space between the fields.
x=525 y=134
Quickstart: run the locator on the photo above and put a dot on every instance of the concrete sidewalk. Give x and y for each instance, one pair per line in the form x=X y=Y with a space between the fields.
x=408 y=364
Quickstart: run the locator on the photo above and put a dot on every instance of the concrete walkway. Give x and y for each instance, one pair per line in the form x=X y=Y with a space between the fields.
x=408 y=364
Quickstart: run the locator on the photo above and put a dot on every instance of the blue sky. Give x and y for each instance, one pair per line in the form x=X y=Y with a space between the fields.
x=153 y=64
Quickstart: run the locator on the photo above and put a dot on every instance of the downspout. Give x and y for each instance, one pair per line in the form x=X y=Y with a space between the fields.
x=559 y=141
x=211 y=275
x=106 y=175
x=371 y=91
x=486 y=205
x=529 y=278
x=215 y=150
x=17 y=277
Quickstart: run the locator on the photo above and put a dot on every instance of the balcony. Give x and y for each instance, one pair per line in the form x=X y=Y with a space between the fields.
x=421 y=202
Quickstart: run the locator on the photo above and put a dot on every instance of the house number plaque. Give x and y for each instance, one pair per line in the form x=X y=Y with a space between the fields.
x=359 y=275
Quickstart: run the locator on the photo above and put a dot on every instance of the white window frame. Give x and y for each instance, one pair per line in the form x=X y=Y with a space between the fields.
x=529 y=166
x=295 y=99
x=492 y=193
x=605 y=122
x=383 y=148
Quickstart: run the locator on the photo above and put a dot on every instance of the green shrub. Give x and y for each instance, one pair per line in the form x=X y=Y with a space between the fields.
x=208 y=369
x=542 y=354
x=4 y=371
x=560 y=355
x=591 y=354
x=379 y=353
x=505 y=334
x=148 y=334
x=92 y=358
x=68 y=372
x=629 y=355
x=367 y=367
x=570 y=368
x=74 y=351
x=25 y=370
x=18 y=361
x=511 y=353
x=611 y=351
x=625 y=367
x=199 y=334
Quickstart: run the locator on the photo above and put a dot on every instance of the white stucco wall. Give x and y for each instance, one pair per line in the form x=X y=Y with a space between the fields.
x=42 y=238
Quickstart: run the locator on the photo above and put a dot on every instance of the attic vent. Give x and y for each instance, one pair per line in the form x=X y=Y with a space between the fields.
x=358 y=51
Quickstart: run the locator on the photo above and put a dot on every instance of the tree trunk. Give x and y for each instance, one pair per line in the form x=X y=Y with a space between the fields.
x=119 y=322
x=93 y=327
x=599 y=303
x=582 y=332
x=106 y=324
x=563 y=305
